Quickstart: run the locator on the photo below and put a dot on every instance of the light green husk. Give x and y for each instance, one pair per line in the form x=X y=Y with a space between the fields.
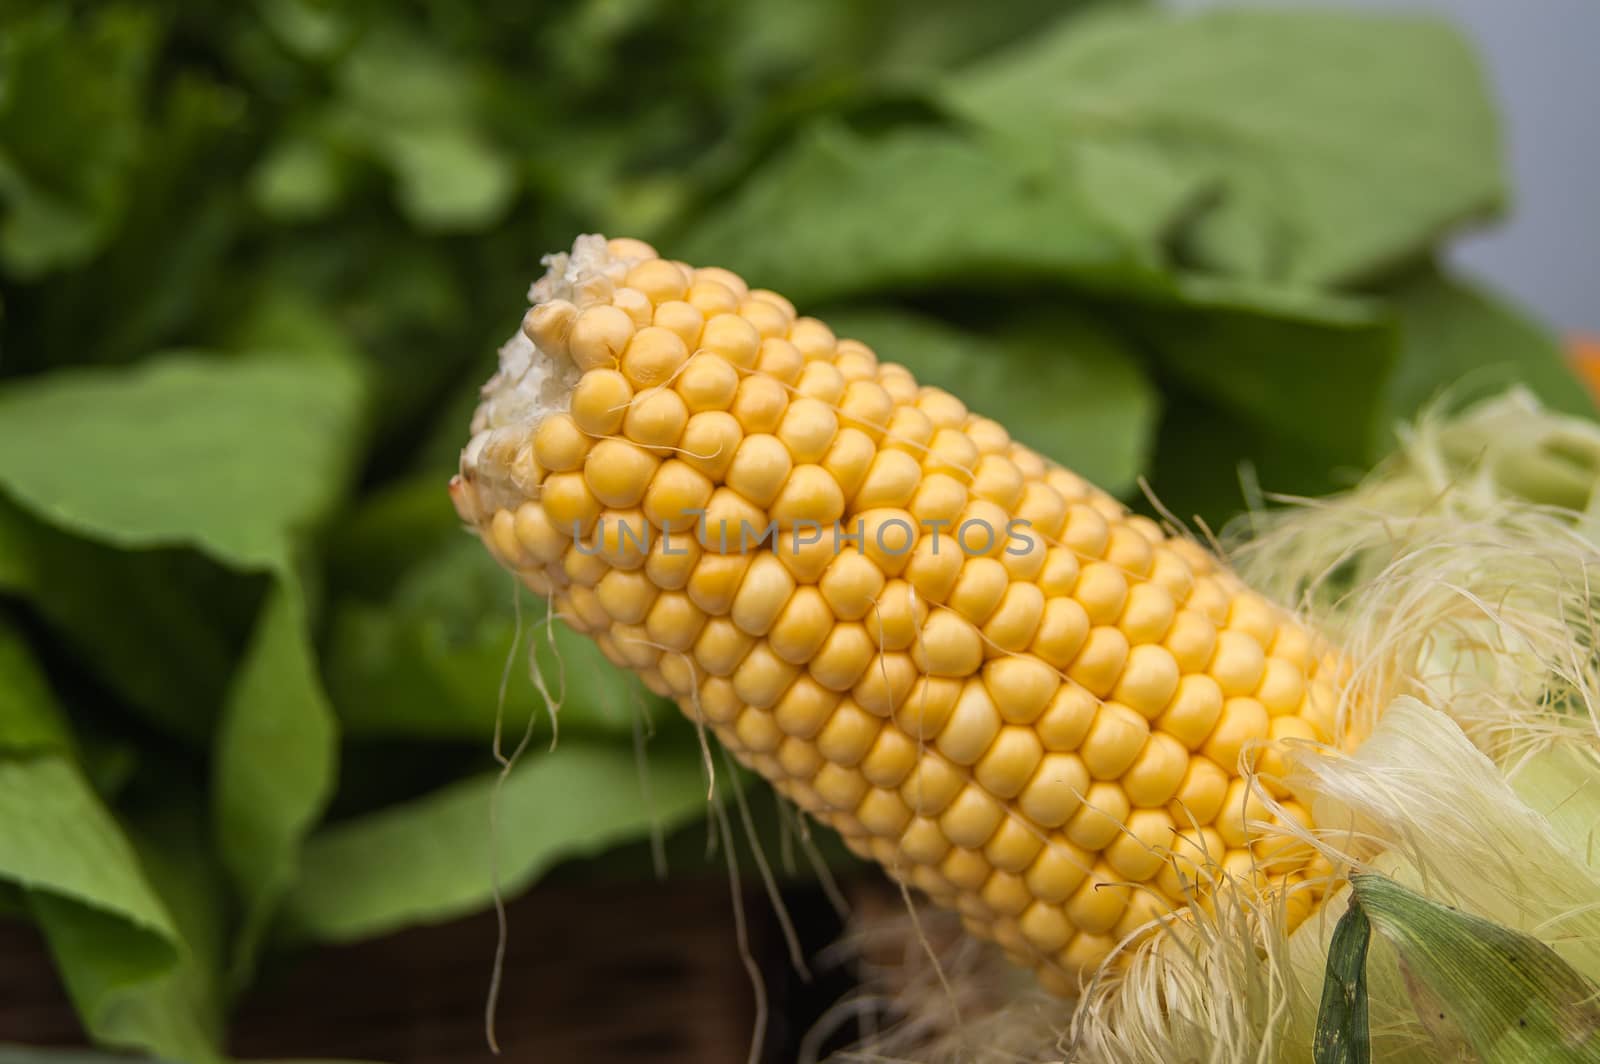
x=1462 y=580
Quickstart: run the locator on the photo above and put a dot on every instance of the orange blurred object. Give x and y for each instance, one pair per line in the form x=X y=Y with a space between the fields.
x=1585 y=354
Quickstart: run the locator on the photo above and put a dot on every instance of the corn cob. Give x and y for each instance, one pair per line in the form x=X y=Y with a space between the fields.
x=983 y=672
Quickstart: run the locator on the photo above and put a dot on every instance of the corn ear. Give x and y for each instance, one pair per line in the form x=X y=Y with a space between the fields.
x=1034 y=706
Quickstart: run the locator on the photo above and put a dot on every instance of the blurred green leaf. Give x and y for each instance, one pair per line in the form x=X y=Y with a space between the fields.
x=417 y=110
x=1456 y=337
x=1211 y=463
x=56 y=838
x=231 y=457
x=1058 y=381
x=163 y=598
x=426 y=660
x=120 y=954
x=449 y=178
x=429 y=860
x=30 y=722
x=301 y=178
x=1340 y=143
x=275 y=764
x=70 y=90
x=237 y=459
x=1309 y=370
x=842 y=213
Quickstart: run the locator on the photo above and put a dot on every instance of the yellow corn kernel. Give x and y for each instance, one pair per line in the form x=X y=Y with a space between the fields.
x=708 y=382
x=973 y=725
x=1057 y=790
x=948 y=646
x=1010 y=761
x=1114 y=740
x=618 y=472
x=848 y=735
x=851 y=583
x=600 y=402
x=1200 y=793
x=1100 y=816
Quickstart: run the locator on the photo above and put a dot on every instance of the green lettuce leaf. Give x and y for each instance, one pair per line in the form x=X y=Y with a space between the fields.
x=842 y=213
x=429 y=860
x=237 y=459
x=1336 y=144
x=106 y=913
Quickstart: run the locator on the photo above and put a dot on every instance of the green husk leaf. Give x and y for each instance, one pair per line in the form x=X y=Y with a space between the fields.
x=1342 y=1030
x=1508 y=995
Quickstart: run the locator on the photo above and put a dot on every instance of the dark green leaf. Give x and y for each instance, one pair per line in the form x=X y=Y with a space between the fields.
x=1455 y=337
x=29 y=719
x=164 y=598
x=70 y=92
x=121 y=955
x=426 y=660
x=1342 y=1030
x=1309 y=370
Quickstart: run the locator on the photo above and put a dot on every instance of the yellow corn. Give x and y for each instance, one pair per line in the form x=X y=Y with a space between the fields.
x=980 y=670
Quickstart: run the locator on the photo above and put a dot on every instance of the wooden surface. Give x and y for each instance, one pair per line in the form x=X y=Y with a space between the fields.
x=594 y=974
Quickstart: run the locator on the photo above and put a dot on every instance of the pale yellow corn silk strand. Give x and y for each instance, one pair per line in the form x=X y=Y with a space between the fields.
x=1050 y=732
x=1470 y=615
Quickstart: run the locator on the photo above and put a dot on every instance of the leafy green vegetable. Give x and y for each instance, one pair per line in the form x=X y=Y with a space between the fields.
x=124 y=456
x=1338 y=144
x=430 y=859
x=130 y=458
x=69 y=127
x=275 y=763
x=164 y=598
x=1059 y=382
x=842 y=214
x=122 y=957
x=1317 y=380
